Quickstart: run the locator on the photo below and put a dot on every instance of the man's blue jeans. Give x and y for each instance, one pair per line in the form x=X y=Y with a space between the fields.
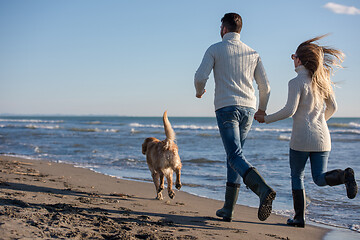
x=234 y=124
x=298 y=161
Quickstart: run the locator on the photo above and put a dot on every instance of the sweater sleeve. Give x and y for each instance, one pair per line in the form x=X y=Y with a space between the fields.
x=331 y=107
x=292 y=103
x=203 y=72
x=263 y=85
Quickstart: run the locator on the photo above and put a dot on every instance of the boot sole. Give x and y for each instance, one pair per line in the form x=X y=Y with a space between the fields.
x=222 y=215
x=350 y=183
x=266 y=206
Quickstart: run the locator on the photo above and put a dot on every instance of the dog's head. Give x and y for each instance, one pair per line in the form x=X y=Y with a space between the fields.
x=145 y=144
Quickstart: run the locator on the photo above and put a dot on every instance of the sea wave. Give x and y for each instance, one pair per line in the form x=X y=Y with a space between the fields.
x=344 y=125
x=183 y=127
x=346 y=131
x=93 y=130
x=32 y=126
x=201 y=161
x=145 y=125
x=284 y=137
x=271 y=129
x=93 y=123
x=121 y=162
x=30 y=120
x=195 y=127
x=354 y=124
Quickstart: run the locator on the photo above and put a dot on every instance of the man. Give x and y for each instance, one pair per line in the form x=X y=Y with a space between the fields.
x=235 y=65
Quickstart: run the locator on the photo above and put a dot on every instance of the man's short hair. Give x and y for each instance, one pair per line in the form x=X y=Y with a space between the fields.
x=232 y=21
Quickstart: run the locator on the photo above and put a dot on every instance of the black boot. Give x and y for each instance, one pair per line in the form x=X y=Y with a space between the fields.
x=299 y=207
x=347 y=177
x=231 y=196
x=257 y=184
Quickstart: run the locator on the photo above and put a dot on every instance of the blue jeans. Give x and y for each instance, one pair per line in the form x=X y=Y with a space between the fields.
x=234 y=124
x=318 y=162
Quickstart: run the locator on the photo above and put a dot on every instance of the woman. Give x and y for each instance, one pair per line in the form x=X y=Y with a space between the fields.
x=311 y=102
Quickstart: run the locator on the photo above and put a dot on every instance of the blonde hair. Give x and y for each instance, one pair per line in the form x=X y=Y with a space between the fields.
x=320 y=62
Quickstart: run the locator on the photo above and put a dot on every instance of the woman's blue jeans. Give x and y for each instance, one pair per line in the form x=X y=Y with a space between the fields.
x=234 y=124
x=318 y=161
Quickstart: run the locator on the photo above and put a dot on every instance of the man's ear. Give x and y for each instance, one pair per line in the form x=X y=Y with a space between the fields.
x=225 y=30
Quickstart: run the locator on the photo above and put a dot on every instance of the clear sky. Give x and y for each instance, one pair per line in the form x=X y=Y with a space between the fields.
x=138 y=58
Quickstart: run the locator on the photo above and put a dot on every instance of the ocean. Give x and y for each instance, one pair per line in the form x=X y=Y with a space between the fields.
x=112 y=145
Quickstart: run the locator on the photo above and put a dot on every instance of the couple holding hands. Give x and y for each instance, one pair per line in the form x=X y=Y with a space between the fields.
x=311 y=102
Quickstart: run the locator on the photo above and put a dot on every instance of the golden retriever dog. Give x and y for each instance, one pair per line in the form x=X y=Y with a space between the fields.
x=163 y=159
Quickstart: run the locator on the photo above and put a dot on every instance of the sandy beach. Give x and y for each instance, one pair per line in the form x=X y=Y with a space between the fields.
x=41 y=200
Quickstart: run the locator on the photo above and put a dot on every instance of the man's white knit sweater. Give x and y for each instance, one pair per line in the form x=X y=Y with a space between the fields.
x=235 y=66
x=310 y=132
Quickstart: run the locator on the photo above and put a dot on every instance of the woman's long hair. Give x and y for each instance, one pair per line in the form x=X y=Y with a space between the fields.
x=320 y=61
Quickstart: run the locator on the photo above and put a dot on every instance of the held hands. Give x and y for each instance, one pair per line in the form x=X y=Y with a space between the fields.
x=260 y=116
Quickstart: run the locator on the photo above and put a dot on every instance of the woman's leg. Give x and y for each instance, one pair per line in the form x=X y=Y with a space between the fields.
x=297 y=164
x=334 y=177
x=319 y=162
x=298 y=161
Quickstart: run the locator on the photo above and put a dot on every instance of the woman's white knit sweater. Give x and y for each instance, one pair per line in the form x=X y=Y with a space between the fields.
x=310 y=132
x=235 y=66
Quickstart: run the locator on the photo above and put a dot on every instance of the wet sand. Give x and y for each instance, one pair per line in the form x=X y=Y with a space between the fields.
x=42 y=200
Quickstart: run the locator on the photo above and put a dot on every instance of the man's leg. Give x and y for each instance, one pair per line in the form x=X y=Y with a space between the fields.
x=231 y=121
x=228 y=125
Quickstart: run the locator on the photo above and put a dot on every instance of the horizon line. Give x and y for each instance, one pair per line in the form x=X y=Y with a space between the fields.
x=114 y=115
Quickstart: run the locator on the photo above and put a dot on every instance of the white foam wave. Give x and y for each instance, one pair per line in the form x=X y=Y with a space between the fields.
x=272 y=129
x=345 y=125
x=30 y=120
x=195 y=127
x=133 y=131
x=346 y=131
x=112 y=130
x=284 y=137
x=184 y=127
x=145 y=125
x=108 y=130
x=283 y=212
x=32 y=126
x=22 y=156
x=354 y=124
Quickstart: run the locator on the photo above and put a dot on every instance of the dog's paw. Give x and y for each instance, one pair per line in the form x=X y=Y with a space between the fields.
x=159 y=196
x=178 y=186
x=171 y=194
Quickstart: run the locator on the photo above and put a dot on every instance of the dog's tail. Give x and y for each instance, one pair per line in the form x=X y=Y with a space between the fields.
x=169 y=131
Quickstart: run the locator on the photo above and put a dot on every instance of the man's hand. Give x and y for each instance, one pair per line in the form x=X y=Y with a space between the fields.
x=260 y=116
x=200 y=95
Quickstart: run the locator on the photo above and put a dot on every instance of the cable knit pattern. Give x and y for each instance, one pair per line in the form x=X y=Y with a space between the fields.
x=310 y=132
x=235 y=66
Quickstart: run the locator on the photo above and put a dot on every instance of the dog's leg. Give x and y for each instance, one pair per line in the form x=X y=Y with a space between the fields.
x=155 y=177
x=178 y=175
x=169 y=178
x=161 y=187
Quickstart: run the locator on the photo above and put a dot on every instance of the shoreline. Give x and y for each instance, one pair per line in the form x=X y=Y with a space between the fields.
x=42 y=199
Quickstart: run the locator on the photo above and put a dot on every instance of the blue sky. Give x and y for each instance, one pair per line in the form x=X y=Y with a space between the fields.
x=138 y=58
